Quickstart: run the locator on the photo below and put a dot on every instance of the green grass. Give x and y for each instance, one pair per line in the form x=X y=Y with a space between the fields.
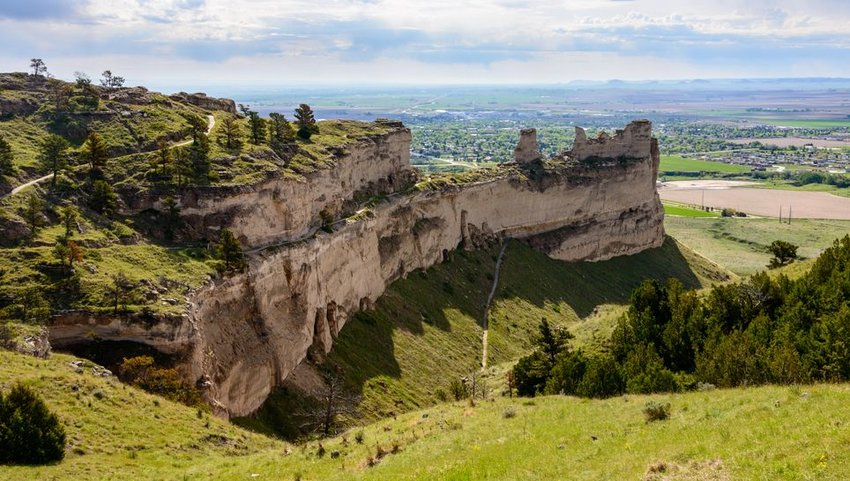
x=118 y=432
x=740 y=244
x=787 y=185
x=426 y=329
x=803 y=123
x=684 y=211
x=676 y=163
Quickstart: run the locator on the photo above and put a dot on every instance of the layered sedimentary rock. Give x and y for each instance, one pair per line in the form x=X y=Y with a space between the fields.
x=246 y=333
x=284 y=209
x=254 y=329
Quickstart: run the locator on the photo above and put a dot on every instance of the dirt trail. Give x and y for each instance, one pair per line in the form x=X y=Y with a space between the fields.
x=489 y=300
x=211 y=124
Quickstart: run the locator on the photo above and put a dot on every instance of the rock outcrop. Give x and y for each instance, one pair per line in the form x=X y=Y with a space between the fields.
x=526 y=150
x=205 y=102
x=246 y=333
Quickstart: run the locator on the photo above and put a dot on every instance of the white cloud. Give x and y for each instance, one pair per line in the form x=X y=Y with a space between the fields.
x=440 y=41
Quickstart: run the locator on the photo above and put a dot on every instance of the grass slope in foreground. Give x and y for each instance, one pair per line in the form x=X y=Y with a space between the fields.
x=426 y=330
x=777 y=433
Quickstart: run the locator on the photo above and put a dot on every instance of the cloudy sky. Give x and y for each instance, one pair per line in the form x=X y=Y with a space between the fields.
x=309 y=42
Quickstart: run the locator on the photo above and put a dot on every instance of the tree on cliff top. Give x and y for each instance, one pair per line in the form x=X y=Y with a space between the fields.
x=306 y=122
x=38 y=67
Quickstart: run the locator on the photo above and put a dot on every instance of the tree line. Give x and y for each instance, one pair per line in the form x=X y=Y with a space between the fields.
x=762 y=330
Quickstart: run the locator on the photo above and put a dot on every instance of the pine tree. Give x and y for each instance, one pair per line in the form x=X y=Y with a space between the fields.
x=6 y=158
x=280 y=130
x=95 y=153
x=69 y=215
x=163 y=158
x=103 y=200
x=53 y=155
x=257 y=127
x=306 y=122
x=33 y=213
x=230 y=135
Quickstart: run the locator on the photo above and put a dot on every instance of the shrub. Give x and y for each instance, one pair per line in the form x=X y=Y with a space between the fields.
x=656 y=411
x=29 y=432
x=358 y=437
x=509 y=413
x=459 y=389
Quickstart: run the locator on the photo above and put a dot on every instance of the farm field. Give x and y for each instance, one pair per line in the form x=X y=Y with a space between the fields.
x=759 y=201
x=794 y=141
x=683 y=210
x=677 y=163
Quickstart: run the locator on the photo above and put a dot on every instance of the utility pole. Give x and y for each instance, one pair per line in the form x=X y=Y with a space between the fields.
x=789 y=214
x=780 y=213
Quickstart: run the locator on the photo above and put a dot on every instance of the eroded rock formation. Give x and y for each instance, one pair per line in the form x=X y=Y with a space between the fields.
x=245 y=334
x=526 y=150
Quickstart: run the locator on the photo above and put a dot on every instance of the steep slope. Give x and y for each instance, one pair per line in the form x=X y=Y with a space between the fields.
x=425 y=331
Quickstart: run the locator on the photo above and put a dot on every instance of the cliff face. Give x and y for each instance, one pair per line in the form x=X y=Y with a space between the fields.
x=245 y=334
x=285 y=209
x=255 y=328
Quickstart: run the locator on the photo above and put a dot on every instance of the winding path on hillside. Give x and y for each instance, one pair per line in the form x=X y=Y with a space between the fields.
x=490 y=300
x=210 y=125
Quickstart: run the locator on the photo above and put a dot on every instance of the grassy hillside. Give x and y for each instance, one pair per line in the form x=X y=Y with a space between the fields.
x=426 y=330
x=777 y=433
x=740 y=244
x=119 y=432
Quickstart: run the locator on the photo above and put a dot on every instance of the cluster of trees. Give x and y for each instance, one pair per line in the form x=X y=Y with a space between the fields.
x=29 y=432
x=555 y=368
x=762 y=330
x=276 y=131
x=837 y=180
x=184 y=165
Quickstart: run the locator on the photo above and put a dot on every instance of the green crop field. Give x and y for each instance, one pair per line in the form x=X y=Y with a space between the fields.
x=676 y=163
x=685 y=211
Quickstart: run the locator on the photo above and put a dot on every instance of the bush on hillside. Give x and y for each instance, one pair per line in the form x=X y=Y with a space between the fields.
x=29 y=432
x=656 y=411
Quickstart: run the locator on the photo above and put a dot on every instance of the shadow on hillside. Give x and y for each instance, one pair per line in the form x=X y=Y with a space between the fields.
x=459 y=288
x=586 y=285
x=450 y=295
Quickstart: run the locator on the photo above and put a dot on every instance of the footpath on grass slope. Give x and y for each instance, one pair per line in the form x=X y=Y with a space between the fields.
x=210 y=125
x=489 y=300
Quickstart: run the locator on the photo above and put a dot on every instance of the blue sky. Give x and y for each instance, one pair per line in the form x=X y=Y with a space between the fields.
x=333 y=42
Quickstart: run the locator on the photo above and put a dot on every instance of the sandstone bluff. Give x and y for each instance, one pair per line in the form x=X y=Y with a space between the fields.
x=244 y=334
